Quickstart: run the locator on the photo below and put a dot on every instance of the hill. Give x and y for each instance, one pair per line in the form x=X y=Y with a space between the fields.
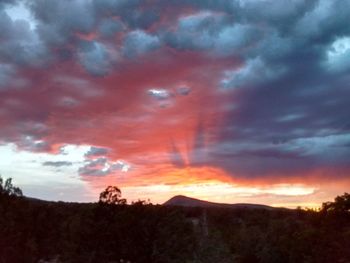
x=181 y=200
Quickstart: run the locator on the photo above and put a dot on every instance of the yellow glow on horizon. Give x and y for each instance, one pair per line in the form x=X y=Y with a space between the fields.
x=313 y=206
x=226 y=188
x=219 y=191
x=212 y=184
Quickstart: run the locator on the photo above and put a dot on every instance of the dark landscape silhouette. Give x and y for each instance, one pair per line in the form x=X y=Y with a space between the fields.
x=182 y=230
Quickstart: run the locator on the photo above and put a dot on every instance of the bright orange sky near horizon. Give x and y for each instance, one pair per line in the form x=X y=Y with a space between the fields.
x=215 y=100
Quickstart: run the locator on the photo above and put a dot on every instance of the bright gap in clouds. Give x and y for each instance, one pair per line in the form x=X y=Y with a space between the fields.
x=340 y=46
x=21 y=12
x=49 y=182
x=338 y=54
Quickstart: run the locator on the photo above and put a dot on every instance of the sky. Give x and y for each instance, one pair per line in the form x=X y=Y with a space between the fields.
x=224 y=100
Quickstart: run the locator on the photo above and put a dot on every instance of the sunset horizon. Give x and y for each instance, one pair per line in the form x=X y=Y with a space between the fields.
x=223 y=101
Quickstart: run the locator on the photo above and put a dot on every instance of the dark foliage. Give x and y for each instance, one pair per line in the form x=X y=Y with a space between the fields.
x=7 y=188
x=33 y=230
x=341 y=204
x=112 y=196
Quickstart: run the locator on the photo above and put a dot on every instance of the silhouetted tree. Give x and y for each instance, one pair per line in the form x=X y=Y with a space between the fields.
x=7 y=188
x=112 y=195
x=341 y=204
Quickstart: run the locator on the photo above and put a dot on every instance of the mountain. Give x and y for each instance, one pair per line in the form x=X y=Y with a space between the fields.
x=181 y=200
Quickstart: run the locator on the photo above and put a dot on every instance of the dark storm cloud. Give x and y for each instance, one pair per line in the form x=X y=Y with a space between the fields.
x=304 y=110
x=109 y=27
x=60 y=20
x=240 y=28
x=283 y=92
x=7 y=2
x=139 y=42
x=94 y=57
x=20 y=45
x=61 y=25
x=132 y=12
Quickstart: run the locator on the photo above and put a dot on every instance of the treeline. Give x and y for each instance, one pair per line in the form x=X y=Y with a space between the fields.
x=39 y=231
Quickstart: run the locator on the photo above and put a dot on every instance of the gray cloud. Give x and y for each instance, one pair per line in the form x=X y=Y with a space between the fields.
x=291 y=86
x=254 y=72
x=198 y=31
x=96 y=151
x=139 y=42
x=92 y=172
x=208 y=31
x=68 y=18
x=20 y=44
x=102 y=166
x=95 y=167
x=131 y=12
x=3 y=3
x=57 y=163
x=94 y=57
x=30 y=143
x=109 y=27
x=184 y=91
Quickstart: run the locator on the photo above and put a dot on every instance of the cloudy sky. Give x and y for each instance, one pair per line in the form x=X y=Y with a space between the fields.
x=224 y=100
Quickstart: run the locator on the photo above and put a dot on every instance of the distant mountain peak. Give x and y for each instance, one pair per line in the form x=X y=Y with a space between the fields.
x=181 y=200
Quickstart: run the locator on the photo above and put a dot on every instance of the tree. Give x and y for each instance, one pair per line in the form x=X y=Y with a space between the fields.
x=7 y=188
x=112 y=195
x=341 y=204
